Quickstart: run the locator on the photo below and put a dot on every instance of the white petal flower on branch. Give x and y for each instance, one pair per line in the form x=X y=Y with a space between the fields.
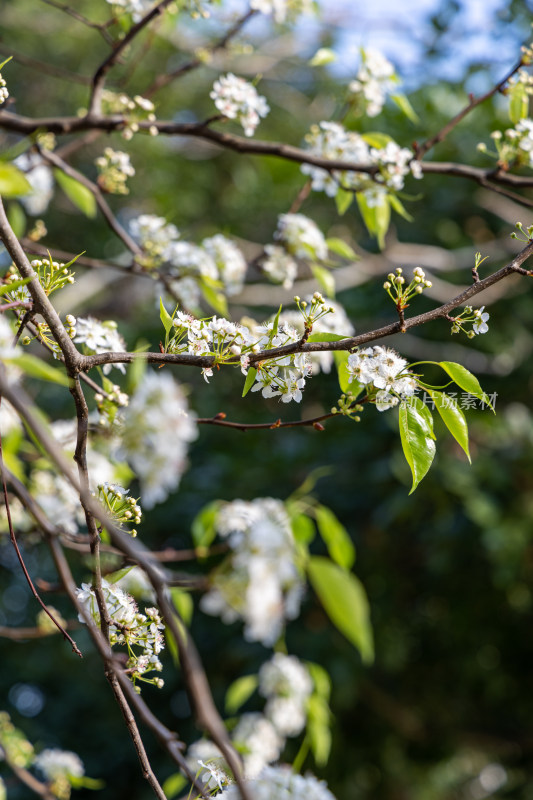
x=55 y=763
x=301 y=236
x=374 y=81
x=101 y=337
x=155 y=436
x=279 y=266
x=260 y=741
x=261 y=582
x=229 y=261
x=39 y=176
x=481 y=318
x=237 y=99
x=280 y=783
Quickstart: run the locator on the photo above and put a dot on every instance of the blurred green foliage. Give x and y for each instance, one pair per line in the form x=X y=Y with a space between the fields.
x=449 y=570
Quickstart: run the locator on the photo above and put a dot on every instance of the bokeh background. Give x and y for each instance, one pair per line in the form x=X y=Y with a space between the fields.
x=445 y=711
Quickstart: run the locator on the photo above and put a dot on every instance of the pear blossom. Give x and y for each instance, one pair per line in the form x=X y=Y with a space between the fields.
x=374 y=80
x=237 y=99
x=301 y=236
x=274 y=783
x=39 y=176
x=480 y=323
x=55 y=763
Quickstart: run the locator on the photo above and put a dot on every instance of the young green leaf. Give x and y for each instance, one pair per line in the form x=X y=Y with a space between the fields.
x=239 y=692
x=453 y=418
x=303 y=529
x=417 y=437
x=326 y=337
x=322 y=57
x=343 y=201
x=319 y=729
x=275 y=324
x=399 y=207
x=37 y=368
x=345 y=602
x=518 y=102
x=405 y=107
x=217 y=300
x=173 y=785
x=250 y=380
x=463 y=378
x=341 y=248
x=77 y=193
x=203 y=525
x=17 y=219
x=10 y=287
x=335 y=537
x=375 y=217
x=325 y=279
x=164 y=316
x=13 y=182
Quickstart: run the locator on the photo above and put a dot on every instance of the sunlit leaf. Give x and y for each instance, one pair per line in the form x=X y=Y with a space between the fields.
x=13 y=182
x=77 y=193
x=453 y=418
x=335 y=537
x=239 y=692
x=417 y=437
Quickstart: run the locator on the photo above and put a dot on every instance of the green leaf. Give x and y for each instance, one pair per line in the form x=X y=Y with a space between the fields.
x=405 y=107
x=319 y=729
x=325 y=279
x=343 y=201
x=399 y=207
x=453 y=418
x=250 y=380
x=323 y=56
x=341 y=248
x=5 y=62
x=416 y=433
x=275 y=324
x=326 y=337
x=183 y=603
x=518 y=102
x=77 y=193
x=203 y=525
x=165 y=317
x=335 y=537
x=345 y=602
x=463 y=378
x=320 y=678
x=217 y=300
x=84 y=782
x=303 y=529
x=113 y=577
x=10 y=287
x=17 y=219
x=239 y=692
x=345 y=381
x=173 y=785
x=37 y=368
x=376 y=218
x=13 y=182
x=377 y=140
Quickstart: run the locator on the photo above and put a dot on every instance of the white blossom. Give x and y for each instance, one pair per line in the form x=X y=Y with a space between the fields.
x=137 y=8
x=39 y=176
x=261 y=743
x=229 y=260
x=114 y=169
x=4 y=94
x=237 y=99
x=282 y=9
x=336 y=322
x=55 y=763
x=382 y=369
x=374 y=81
x=480 y=323
x=280 y=783
x=100 y=337
x=287 y=685
x=154 y=234
x=156 y=432
x=279 y=266
x=262 y=584
x=301 y=236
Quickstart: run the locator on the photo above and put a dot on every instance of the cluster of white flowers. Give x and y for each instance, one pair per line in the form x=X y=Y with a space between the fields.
x=4 y=94
x=335 y=322
x=122 y=509
x=259 y=582
x=217 y=259
x=7 y=348
x=129 y=627
x=282 y=9
x=301 y=236
x=155 y=435
x=384 y=370
x=216 y=336
x=332 y=141
x=279 y=266
x=229 y=260
x=285 y=376
x=374 y=80
x=287 y=685
x=137 y=8
x=477 y=316
x=39 y=176
x=279 y=782
x=154 y=234
x=55 y=763
x=238 y=99
x=114 y=169
x=517 y=141
x=136 y=109
x=100 y=337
